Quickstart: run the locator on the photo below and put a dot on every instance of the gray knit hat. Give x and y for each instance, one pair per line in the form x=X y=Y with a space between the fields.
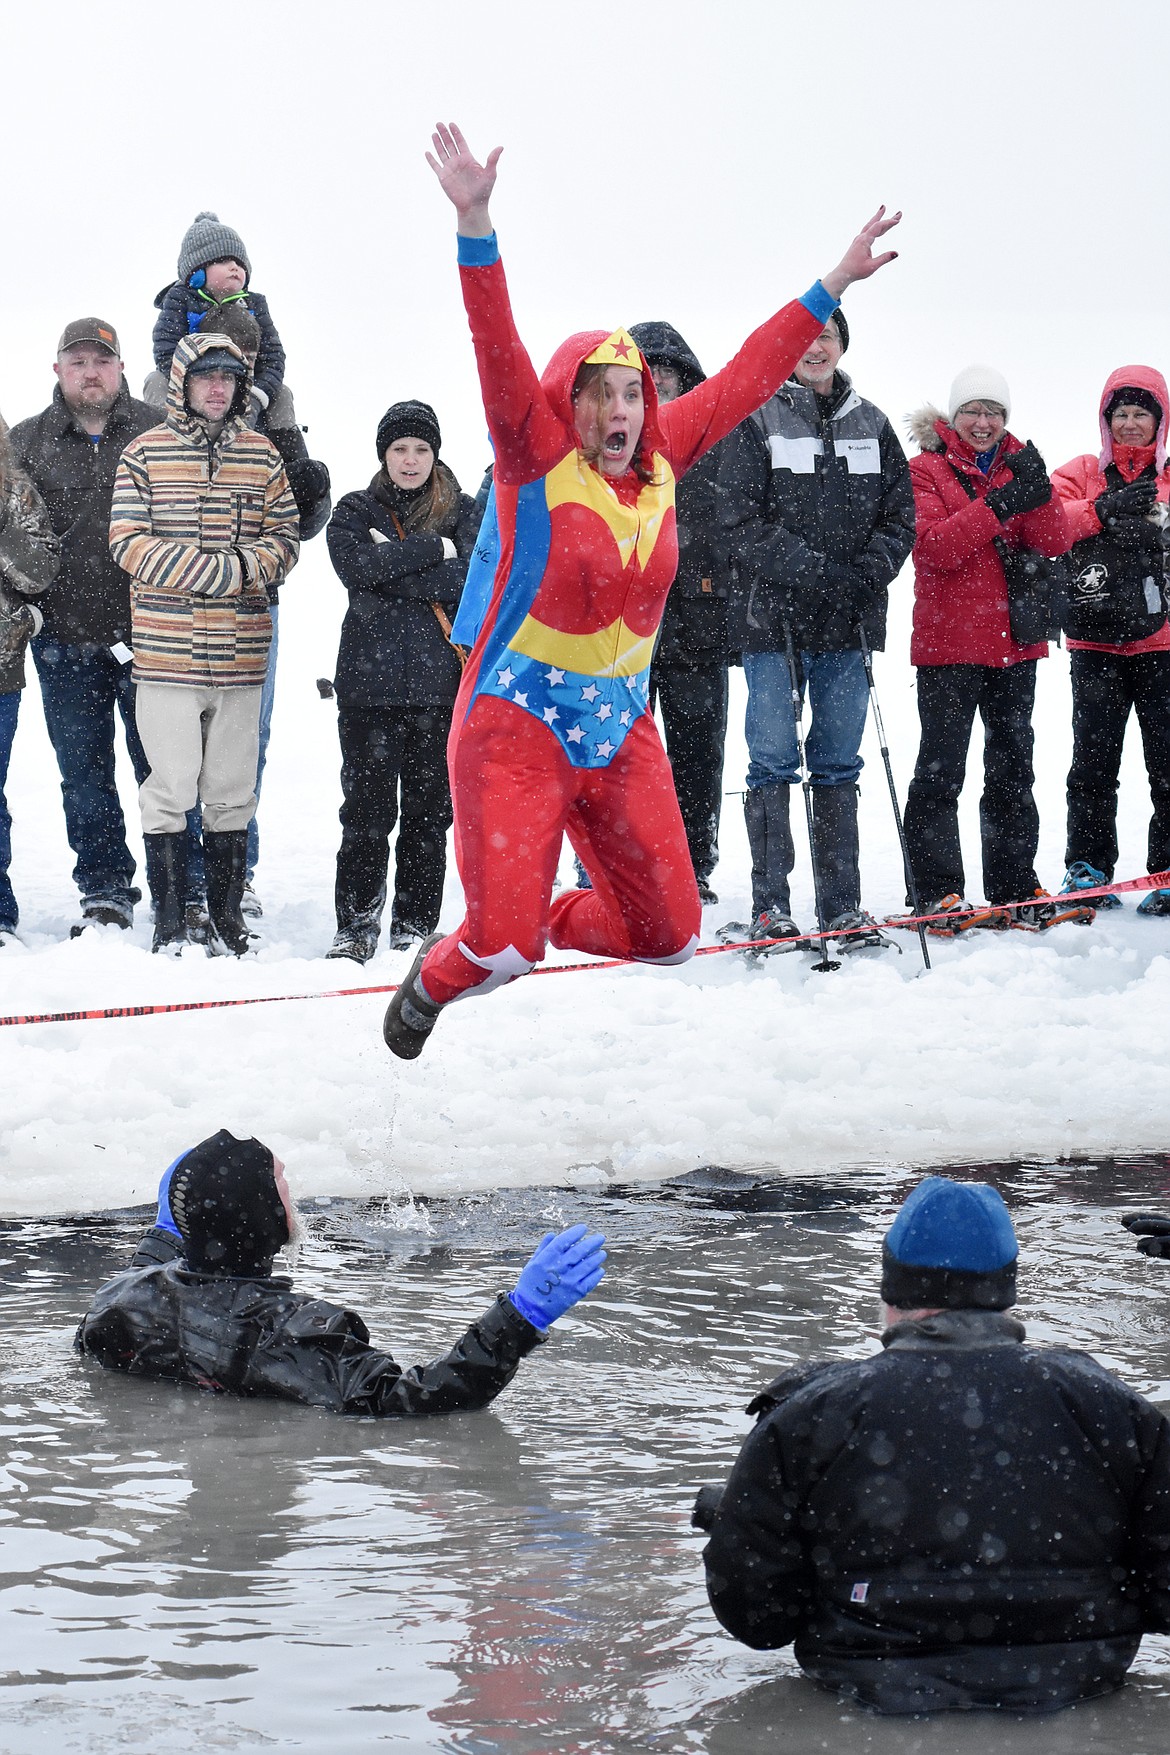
x=206 y=240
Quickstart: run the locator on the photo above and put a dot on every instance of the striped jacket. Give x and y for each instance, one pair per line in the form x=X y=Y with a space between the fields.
x=203 y=528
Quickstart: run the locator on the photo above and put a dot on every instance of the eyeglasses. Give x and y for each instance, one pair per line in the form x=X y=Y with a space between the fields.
x=989 y=411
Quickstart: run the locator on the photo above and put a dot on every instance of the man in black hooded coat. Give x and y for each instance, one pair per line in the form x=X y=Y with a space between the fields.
x=200 y=1304
x=688 y=676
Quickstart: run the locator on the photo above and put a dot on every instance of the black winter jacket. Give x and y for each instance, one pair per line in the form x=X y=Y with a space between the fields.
x=176 y=303
x=90 y=601
x=258 y=1337
x=962 y=1521
x=807 y=486
x=393 y=650
x=694 y=622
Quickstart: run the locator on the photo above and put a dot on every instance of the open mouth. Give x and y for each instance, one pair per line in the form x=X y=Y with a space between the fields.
x=615 y=443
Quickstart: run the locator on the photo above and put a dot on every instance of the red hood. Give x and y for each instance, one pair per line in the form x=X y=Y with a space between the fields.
x=560 y=375
x=1135 y=378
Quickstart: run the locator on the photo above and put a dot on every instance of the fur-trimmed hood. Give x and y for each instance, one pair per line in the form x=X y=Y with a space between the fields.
x=1134 y=378
x=925 y=426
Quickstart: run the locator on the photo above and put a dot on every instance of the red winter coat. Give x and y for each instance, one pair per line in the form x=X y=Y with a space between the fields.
x=1082 y=481
x=960 y=593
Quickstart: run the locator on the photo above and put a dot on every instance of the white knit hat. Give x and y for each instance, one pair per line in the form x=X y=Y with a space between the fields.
x=979 y=384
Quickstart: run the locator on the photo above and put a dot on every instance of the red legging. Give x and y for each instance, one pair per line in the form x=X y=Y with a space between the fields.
x=516 y=795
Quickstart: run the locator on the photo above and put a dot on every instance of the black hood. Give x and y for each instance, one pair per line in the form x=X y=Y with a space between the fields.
x=663 y=344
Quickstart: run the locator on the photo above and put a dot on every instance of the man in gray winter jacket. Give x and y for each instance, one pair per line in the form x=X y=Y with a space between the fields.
x=818 y=514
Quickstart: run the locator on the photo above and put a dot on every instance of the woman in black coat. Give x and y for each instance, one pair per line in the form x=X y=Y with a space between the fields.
x=400 y=548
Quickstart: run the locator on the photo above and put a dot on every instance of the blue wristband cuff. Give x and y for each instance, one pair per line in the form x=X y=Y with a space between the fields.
x=538 y=1318
x=477 y=252
x=819 y=302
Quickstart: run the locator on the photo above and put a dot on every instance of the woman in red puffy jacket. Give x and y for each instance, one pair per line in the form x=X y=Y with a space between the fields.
x=1119 y=637
x=975 y=483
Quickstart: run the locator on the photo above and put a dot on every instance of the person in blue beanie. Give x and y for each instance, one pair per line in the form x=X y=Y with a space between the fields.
x=963 y=1521
x=200 y=1304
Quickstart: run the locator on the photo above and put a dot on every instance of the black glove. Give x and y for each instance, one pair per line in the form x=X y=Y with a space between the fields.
x=1027 y=465
x=1152 y=1231
x=1125 y=515
x=1020 y=494
x=1133 y=500
x=706 y=1505
x=851 y=591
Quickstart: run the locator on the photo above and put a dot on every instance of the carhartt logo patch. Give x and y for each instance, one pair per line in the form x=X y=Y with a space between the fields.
x=859 y=1593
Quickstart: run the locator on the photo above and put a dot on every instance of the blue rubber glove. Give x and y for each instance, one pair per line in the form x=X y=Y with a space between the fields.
x=165 y=1219
x=560 y=1271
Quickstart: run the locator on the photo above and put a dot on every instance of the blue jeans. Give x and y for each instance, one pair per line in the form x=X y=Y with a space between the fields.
x=82 y=687
x=839 y=695
x=195 y=878
x=9 y=708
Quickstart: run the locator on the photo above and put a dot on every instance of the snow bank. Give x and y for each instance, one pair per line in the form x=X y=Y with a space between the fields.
x=1013 y=1046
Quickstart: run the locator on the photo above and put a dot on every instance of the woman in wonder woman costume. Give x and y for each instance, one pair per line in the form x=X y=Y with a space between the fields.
x=551 y=732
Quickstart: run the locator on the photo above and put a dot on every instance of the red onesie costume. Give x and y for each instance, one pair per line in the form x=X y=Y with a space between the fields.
x=551 y=732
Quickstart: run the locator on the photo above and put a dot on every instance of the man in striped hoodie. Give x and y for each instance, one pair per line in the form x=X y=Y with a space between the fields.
x=204 y=522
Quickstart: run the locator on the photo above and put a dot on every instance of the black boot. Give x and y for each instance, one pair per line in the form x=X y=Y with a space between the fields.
x=835 y=841
x=769 y=829
x=166 y=875
x=225 y=854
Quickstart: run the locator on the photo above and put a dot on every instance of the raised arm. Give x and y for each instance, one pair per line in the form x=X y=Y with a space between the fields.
x=528 y=437
x=698 y=420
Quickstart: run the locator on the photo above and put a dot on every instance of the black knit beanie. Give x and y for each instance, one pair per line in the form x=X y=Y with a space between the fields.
x=225 y=1201
x=1132 y=396
x=838 y=318
x=408 y=420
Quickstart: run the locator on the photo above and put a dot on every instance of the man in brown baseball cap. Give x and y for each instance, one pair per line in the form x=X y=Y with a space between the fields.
x=91 y=329
x=70 y=452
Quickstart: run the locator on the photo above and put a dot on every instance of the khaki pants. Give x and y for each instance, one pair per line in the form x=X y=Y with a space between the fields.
x=201 y=744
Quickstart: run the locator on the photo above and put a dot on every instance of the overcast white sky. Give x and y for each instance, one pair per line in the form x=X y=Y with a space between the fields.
x=696 y=162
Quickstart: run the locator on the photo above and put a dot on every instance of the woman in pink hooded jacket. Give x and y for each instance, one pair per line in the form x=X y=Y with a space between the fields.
x=1119 y=637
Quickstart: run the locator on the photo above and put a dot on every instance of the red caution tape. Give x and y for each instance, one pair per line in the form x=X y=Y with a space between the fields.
x=1157 y=880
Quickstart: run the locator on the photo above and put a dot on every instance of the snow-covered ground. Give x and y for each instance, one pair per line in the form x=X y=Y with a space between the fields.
x=1015 y=1045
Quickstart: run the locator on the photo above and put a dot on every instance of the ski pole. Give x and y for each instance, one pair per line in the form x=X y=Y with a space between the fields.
x=826 y=961
x=911 y=886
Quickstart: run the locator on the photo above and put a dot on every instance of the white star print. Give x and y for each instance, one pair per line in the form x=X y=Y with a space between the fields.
x=625 y=717
x=604 y=711
x=553 y=676
x=575 y=734
x=605 y=749
x=520 y=700
x=590 y=693
x=550 y=715
x=506 y=677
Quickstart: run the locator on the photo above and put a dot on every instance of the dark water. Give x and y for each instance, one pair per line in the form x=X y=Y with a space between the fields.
x=181 y=1572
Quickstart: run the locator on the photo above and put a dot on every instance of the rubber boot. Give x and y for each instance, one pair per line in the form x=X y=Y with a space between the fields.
x=225 y=854
x=835 y=841
x=166 y=876
x=769 y=828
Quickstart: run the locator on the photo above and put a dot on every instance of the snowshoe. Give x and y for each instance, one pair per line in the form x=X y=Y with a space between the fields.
x=961 y=916
x=1083 y=876
x=857 y=931
x=1046 y=912
x=1157 y=902
x=770 y=925
x=250 y=905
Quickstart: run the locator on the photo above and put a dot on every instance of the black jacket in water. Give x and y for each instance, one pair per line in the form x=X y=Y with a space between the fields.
x=259 y=1337
x=962 y=1521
